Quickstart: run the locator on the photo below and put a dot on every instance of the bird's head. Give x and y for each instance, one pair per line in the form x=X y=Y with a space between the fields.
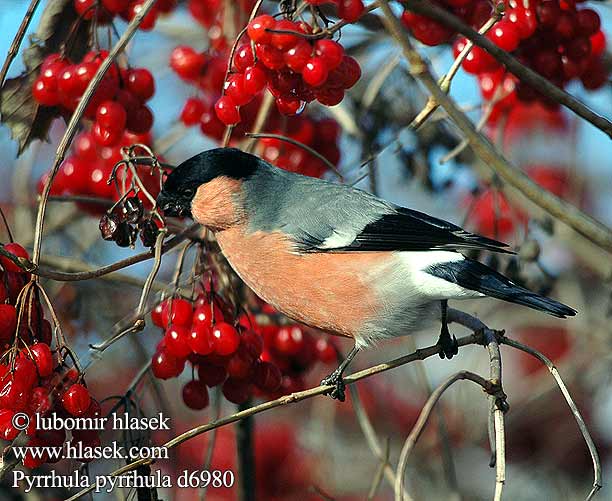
x=206 y=185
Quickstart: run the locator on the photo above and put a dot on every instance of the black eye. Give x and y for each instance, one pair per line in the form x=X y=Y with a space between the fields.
x=188 y=192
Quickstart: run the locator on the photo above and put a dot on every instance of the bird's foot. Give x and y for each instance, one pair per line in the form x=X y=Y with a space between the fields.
x=339 y=387
x=449 y=346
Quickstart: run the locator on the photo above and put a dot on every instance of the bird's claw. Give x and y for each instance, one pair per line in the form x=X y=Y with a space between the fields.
x=449 y=346
x=339 y=387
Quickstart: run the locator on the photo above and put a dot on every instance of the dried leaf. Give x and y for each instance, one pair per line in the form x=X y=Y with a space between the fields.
x=18 y=109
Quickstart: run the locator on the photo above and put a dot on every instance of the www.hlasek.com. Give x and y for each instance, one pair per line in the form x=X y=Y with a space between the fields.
x=81 y=451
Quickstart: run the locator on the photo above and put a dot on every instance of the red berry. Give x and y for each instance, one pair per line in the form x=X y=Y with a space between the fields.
x=186 y=62
x=331 y=52
x=478 y=61
x=351 y=71
x=199 y=339
x=283 y=41
x=211 y=375
x=18 y=251
x=211 y=126
x=227 y=111
x=270 y=57
x=192 y=111
x=241 y=364
x=426 y=30
x=256 y=29
x=106 y=137
x=253 y=342
x=148 y=22
x=329 y=96
x=297 y=56
x=156 y=315
x=350 y=10
x=43 y=358
x=140 y=83
x=176 y=311
x=176 y=341
x=76 y=400
x=243 y=57
x=289 y=340
x=289 y=105
x=524 y=20
x=165 y=366
x=140 y=120
x=45 y=92
x=234 y=88
x=254 y=80
x=225 y=339
x=236 y=391
x=504 y=35
x=111 y=115
x=566 y=25
x=315 y=72
x=588 y=22
x=195 y=395
x=267 y=377
x=206 y=314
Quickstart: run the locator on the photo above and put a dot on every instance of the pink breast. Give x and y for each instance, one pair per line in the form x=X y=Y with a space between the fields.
x=330 y=291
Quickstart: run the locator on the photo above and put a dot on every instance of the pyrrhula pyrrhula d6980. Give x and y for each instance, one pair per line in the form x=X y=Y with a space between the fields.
x=335 y=257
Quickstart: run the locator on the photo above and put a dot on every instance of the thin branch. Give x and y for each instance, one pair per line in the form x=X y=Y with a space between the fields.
x=527 y=75
x=14 y=48
x=566 y=212
x=86 y=272
x=76 y=117
x=424 y=417
x=597 y=481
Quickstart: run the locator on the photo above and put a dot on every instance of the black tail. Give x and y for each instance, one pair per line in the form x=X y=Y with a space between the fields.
x=478 y=277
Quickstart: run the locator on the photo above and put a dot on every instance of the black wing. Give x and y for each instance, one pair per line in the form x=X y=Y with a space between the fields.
x=410 y=230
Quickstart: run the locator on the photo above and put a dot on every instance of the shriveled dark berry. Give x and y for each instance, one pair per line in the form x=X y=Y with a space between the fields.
x=148 y=232
x=125 y=235
x=133 y=209
x=108 y=226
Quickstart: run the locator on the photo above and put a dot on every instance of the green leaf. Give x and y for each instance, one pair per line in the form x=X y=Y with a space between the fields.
x=58 y=29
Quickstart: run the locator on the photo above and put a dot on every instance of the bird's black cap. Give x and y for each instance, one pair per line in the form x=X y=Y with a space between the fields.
x=182 y=183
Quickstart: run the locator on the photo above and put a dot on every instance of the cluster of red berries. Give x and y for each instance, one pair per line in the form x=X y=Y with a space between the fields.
x=295 y=70
x=207 y=71
x=321 y=135
x=244 y=357
x=222 y=354
x=103 y=11
x=212 y=15
x=86 y=171
x=118 y=104
x=31 y=379
x=552 y=37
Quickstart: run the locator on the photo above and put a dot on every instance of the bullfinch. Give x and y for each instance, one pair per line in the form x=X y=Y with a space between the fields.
x=335 y=257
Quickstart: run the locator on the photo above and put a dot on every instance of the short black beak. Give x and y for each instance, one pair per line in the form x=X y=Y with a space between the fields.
x=172 y=207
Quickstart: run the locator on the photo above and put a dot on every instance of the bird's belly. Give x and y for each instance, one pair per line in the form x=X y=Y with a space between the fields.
x=330 y=291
